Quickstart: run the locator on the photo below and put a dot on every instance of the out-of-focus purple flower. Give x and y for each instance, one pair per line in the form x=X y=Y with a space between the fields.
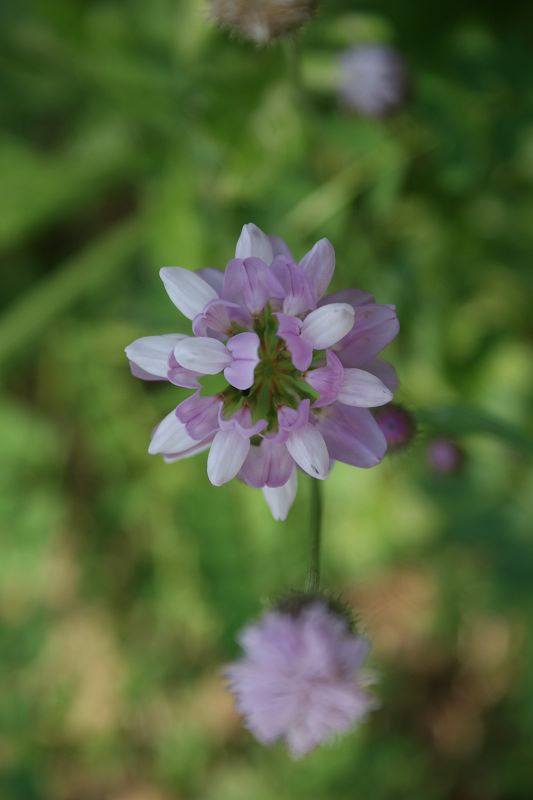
x=298 y=369
x=397 y=424
x=373 y=80
x=299 y=679
x=445 y=456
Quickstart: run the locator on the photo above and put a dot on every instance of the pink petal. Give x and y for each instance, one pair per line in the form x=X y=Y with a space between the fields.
x=187 y=290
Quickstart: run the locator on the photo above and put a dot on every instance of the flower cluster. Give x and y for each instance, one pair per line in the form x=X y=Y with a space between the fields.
x=299 y=679
x=297 y=369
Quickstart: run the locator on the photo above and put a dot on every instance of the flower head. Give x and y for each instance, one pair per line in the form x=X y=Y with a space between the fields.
x=299 y=679
x=374 y=80
x=282 y=375
x=262 y=20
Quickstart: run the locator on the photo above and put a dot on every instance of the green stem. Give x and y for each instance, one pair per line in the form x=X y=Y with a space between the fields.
x=294 y=66
x=312 y=583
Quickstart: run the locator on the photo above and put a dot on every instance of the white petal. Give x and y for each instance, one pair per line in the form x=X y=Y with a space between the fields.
x=171 y=437
x=328 y=324
x=151 y=353
x=187 y=290
x=253 y=242
x=280 y=500
x=308 y=448
x=202 y=354
x=199 y=447
x=361 y=388
x=226 y=457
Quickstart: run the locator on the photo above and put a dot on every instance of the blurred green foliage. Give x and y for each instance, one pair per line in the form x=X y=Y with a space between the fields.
x=134 y=135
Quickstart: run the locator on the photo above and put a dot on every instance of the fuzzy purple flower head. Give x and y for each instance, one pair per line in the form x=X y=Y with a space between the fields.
x=300 y=678
x=281 y=374
x=374 y=80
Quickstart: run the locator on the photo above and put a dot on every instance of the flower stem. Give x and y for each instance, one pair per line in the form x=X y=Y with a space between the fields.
x=294 y=66
x=312 y=583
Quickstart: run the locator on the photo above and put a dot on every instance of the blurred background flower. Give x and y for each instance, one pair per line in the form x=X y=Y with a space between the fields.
x=137 y=134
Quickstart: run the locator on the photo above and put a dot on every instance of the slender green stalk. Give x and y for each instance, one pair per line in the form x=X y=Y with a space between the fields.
x=312 y=583
x=294 y=66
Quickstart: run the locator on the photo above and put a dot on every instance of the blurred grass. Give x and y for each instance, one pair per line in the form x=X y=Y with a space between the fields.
x=134 y=135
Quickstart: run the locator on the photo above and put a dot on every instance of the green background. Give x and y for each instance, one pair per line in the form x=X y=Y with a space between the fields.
x=134 y=135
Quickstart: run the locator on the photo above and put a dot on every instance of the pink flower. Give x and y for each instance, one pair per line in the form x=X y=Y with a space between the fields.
x=298 y=369
x=299 y=679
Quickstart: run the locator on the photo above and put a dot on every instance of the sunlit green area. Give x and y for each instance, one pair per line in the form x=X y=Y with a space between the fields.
x=135 y=135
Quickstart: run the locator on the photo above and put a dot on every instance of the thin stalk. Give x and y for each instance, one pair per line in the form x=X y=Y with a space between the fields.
x=294 y=67
x=312 y=583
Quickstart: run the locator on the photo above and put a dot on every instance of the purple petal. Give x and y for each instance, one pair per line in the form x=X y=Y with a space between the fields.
x=280 y=248
x=354 y=297
x=226 y=457
x=326 y=380
x=202 y=354
x=308 y=448
x=246 y=282
x=187 y=290
x=375 y=327
x=244 y=348
x=326 y=325
x=241 y=422
x=180 y=376
x=267 y=464
x=170 y=436
x=291 y=419
x=318 y=265
x=254 y=243
x=200 y=415
x=352 y=435
x=296 y=290
x=214 y=320
x=149 y=356
x=301 y=350
x=360 y=388
x=280 y=499
x=214 y=277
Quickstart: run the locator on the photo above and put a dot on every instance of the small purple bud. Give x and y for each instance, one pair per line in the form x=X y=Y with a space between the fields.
x=374 y=80
x=397 y=425
x=444 y=456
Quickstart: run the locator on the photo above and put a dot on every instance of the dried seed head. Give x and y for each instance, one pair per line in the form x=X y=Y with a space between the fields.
x=262 y=20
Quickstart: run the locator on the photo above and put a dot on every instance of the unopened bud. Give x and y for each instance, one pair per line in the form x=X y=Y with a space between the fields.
x=445 y=456
x=262 y=20
x=397 y=425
